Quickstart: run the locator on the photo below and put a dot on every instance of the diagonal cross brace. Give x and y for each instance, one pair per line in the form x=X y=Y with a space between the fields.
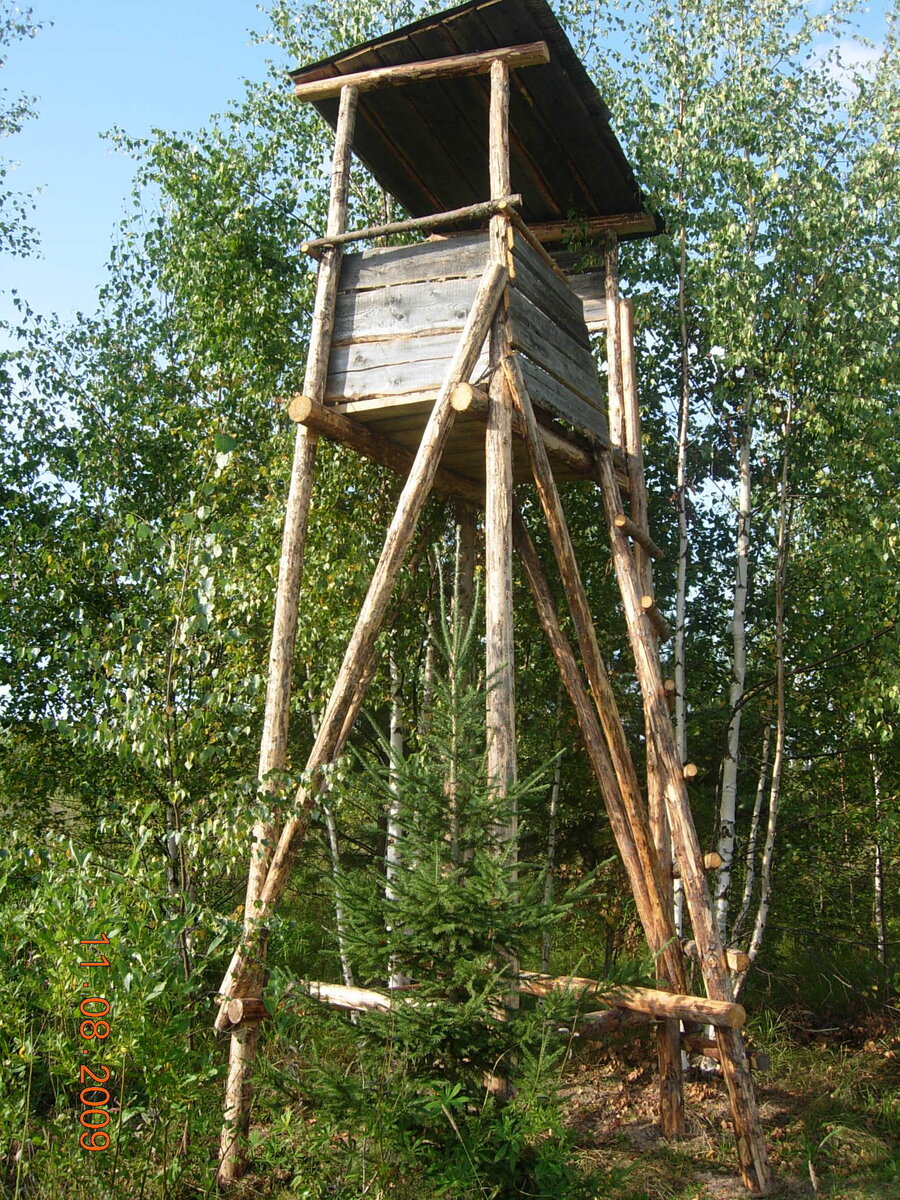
x=347 y=696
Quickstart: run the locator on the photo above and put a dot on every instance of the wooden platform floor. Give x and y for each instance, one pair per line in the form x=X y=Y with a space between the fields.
x=571 y=455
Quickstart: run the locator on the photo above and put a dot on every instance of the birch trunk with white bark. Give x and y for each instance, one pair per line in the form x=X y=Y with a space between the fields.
x=785 y=515
x=753 y=837
x=728 y=794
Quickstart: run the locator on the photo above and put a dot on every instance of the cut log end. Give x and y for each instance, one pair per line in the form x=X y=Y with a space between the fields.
x=735 y=960
x=299 y=408
x=656 y=619
x=248 y=1008
x=637 y=534
x=690 y=770
x=467 y=398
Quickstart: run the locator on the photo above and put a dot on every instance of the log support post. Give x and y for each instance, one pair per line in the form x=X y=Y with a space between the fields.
x=499 y=661
x=498 y=501
x=626 y=403
x=349 y=689
x=273 y=747
x=752 y=1156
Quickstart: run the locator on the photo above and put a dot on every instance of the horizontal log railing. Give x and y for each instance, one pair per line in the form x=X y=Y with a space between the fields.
x=531 y=54
x=469 y=212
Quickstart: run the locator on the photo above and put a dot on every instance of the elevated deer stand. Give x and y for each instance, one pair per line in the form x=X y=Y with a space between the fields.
x=464 y=364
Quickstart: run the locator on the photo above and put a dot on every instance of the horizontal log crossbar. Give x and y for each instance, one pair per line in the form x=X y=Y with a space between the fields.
x=661 y=1005
x=620 y=224
x=469 y=212
x=530 y=54
x=638 y=535
x=649 y=1002
x=325 y=420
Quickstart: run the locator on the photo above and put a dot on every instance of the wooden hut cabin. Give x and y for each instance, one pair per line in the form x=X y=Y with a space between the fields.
x=400 y=311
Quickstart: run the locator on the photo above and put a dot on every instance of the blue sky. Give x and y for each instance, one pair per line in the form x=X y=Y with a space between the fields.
x=137 y=64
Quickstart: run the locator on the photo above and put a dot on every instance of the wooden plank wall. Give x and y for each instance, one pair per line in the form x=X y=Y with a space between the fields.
x=400 y=312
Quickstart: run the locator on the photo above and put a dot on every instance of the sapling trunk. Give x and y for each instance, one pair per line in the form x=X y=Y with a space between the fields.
x=878 y=880
x=551 y=829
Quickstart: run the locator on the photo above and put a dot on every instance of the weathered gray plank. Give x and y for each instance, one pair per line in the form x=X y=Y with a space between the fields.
x=414 y=406
x=544 y=288
x=393 y=367
x=590 y=289
x=403 y=309
x=449 y=258
x=569 y=316
x=552 y=348
x=554 y=397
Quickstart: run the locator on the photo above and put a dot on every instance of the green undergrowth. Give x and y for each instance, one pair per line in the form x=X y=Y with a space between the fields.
x=830 y=1113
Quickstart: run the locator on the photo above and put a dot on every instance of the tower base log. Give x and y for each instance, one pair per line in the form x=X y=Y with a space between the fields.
x=654 y=1003
x=647 y=1002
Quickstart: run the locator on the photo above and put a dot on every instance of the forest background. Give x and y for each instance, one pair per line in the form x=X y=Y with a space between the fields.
x=144 y=465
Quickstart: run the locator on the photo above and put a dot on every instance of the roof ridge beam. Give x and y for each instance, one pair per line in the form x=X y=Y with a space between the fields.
x=529 y=55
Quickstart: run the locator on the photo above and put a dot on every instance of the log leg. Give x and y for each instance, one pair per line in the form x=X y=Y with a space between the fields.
x=668 y=1044
x=499 y=665
x=272 y=757
x=755 y=1169
x=238 y=1100
x=464 y=581
x=662 y=942
x=654 y=916
x=273 y=749
x=499 y=662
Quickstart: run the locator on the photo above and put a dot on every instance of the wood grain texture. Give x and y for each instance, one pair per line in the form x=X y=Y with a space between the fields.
x=374 y=445
x=624 y=224
x=613 y=347
x=590 y=288
x=650 y=1001
x=564 y=451
x=394 y=367
x=655 y=912
x=500 y=702
x=273 y=747
x=547 y=291
x=560 y=401
x=655 y=919
x=389 y=266
x=403 y=309
x=550 y=346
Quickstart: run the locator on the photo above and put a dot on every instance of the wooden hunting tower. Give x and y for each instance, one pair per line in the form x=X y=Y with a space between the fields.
x=464 y=363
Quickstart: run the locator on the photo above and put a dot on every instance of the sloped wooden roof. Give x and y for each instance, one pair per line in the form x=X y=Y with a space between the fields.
x=426 y=142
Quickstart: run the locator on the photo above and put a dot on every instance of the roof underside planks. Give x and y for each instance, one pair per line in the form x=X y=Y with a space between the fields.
x=426 y=142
